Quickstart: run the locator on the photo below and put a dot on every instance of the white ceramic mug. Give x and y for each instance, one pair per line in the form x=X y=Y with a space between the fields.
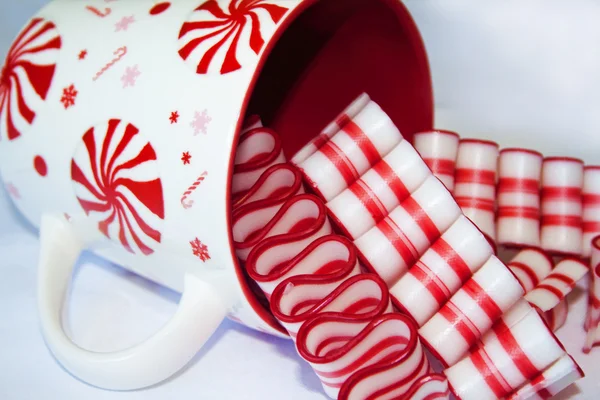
x=118 y=128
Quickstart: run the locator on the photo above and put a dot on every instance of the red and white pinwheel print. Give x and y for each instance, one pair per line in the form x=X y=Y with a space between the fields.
x=116 y=182
x=213 y=33
x=26 y=76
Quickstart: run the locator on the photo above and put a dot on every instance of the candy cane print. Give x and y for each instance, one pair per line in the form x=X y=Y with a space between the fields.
x=119 y=53
x=591 y=207
x=99 y=13
x=593 y=318
x=439 y=150
x=359 y=145
x=518 y=214
x=551 y=381
x=556 y=286
x=381 y=189
x=345 y=354
x=510 y=356
x=441 y=271
x=258 y=149
x=562 y=180
x=530 y=267
x=334 y=127
x=475 y=182
x=473 y=310
x=408 y=231
x=184 y=199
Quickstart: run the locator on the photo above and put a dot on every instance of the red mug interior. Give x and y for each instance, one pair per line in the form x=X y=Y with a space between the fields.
x=325 y=55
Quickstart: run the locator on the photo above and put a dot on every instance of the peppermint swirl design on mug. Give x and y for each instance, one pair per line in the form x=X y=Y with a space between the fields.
x=116 y=181
x=26 y=77
x=210 y=28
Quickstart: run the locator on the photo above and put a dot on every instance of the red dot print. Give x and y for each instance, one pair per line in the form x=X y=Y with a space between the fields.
x=159 y=8
x=40 y=165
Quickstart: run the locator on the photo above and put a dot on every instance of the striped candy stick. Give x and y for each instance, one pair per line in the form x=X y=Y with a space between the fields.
x=475 y=183
x=444 y=268
x=530 y=267
x=518 y=214
x=515 y=351
x=381 y=189
x=551 y=381
x=562 y=180
x=593 y=318
x=439 y=149
x=556 y=286
x=184 y=198
x=408 y=231
x=591 y=207
x=462 y=321
x=557 y=317
x=358 y=146
x=334 y=127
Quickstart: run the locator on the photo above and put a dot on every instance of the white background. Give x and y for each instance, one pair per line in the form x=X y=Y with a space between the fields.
x=522 y=72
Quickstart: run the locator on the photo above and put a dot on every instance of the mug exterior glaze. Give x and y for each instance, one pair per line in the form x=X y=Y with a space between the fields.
x=119 y=123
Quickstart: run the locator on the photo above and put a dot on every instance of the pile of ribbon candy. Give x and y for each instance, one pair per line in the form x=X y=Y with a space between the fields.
x=379 y=257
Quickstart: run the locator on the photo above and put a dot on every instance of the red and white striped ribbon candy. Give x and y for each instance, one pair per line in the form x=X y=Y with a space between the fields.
x=358 y=146
x=593 y=318
x=475 y=182
x=530 y=267
x=518 y=214
x=551 y=381
x=430 y=387
x=444 y=268
x=562 y=181
x=382 y=188
x=258 y=149
x=471 y=312
x=334 y=127
x=397 y=242
x=556 y=286
x=439 y=149
x=518 y=348
x=591 y=207
x=378 y=356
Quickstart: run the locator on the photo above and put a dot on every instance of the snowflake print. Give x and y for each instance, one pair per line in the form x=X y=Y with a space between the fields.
x=221 y=35
x=69 y=96
x=186 y=157
x=82 y=54
x=200 y=250
x=67 y=217
x=13 y=191
x=174 y=117
x=200 y=122
x=130 y=76
x=124 y=23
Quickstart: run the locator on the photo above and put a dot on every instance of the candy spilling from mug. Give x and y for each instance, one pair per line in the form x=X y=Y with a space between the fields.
x=387 y=288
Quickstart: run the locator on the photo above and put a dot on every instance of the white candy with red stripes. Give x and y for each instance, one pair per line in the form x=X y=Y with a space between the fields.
x=334 y=127
x=359 y=145
x=556 y=286
x=371 y=198
x=462 y=321
x=518 y=214
x=398 y=241
x=514 y=352
x=593 y=318
x=557 y=317
x=441 y=271
x=439 y=149
x=258 y=149
x=562 y=181
x=551 y=381
x=475 y=182
x=530 y=267
x=591 y=207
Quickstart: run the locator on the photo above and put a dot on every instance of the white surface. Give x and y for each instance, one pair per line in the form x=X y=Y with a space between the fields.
x=521 y=72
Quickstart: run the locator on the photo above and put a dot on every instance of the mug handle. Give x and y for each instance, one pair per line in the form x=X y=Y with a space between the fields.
x=202 y=308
